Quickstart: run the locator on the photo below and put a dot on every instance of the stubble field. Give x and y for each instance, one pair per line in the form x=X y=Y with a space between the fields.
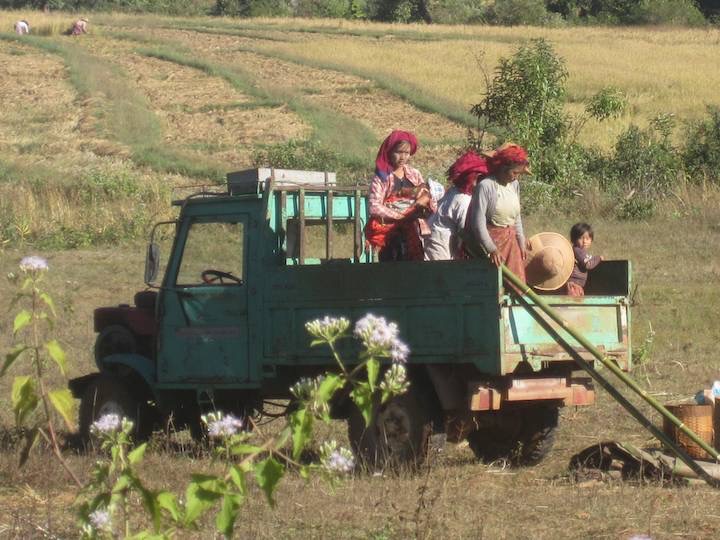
x=97 y=131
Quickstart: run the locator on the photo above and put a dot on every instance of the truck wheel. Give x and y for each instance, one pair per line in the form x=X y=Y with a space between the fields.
x=109 y=395
x=397 y=436
x=523 y=437
x=114 y=339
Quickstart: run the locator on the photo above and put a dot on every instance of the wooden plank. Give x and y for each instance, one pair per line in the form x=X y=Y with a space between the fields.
x=329 y=224
x=283 y=221
x=301 y=225
x=357 y=241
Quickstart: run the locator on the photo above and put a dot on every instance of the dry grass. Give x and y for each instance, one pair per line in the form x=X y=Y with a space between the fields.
x=462 y=499
x=50 y=147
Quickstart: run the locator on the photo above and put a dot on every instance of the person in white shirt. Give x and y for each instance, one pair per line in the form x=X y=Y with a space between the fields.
x=22 y=27
x=448 y=222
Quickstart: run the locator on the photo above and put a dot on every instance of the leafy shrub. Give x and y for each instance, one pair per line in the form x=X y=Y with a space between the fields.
x=701 y=154
x=455 y=11
x=683 y=12
x=517 y=12
x=253 y=8
x=525 y=98
x=643 y=168
x=322 y=8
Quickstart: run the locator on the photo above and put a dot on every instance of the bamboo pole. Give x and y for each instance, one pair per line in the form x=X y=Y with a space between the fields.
x=697 y=468
x=608 y=363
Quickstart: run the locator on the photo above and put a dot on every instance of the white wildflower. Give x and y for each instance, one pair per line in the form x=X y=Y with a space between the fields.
x=381 y=337
x=395 y=381
x=106 y=424
x=336 y=460
x=100 y=520
x=328 y=328
x=306 y=391
x=221 y=426
x=33 y=263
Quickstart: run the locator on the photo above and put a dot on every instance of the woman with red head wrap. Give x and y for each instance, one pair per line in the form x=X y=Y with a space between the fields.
x=494 y=214
x=449 y=220
x=399 y=201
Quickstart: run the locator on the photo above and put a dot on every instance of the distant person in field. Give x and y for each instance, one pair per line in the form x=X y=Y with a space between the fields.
x=22 y=27
x=494 y=220
x=79 y=27
x=448 y=222
x=400 y=201
x=581 y=236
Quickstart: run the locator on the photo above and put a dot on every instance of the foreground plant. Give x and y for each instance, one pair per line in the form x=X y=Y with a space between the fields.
x=116 y=486
x=30 y=392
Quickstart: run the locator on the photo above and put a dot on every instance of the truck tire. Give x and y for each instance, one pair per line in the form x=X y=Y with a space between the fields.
x=523 y=437
x=397 y=436
x=114 y=339
x=109 y=395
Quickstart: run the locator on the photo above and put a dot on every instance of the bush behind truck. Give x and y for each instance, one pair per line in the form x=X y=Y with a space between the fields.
x=225 y=327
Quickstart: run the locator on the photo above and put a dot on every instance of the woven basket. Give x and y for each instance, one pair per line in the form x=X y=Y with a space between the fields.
x=698 y=418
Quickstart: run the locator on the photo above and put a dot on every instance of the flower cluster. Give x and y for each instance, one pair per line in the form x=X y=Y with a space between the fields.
x=221 y=426
x=33 y=263
x=100 y=520
x=395 y=381
x=107 y=424
x=328 y=328
x=381 y=338
x=305 y=391
x=336 y=460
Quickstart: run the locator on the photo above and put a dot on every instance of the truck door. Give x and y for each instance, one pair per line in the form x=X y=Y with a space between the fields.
x=204 y=306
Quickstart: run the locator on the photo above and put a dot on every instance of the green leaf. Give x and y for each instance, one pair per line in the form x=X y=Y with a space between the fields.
x=316 y=342
x=268 y=473
x=242 y=449
x=373 y=370
x=238 y=477
x=167 y=501
x=362 y=397
x=11 y=357
x=56 y=353
x=150 y=504
x=63 y=401
x=24 y=398
x=301 y=422
x=330 y=384
x=198 y=499
x=304 y=472
x=45 y=297
x=21 y=320
x=31 y=438
x=136 y=455
x=225 y=520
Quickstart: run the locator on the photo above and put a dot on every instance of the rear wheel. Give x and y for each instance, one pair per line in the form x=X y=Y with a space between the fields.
x=109 y=395
x=397 y=436
x=522 y=436
x=114 y=339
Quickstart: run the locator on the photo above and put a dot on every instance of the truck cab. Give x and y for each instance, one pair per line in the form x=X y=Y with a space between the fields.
x=222 y=327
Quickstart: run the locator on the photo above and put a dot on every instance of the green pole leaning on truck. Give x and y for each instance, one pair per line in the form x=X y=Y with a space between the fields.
x=608 y=363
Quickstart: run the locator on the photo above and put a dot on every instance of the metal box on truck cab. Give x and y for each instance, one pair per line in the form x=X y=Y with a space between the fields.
x=225 y=327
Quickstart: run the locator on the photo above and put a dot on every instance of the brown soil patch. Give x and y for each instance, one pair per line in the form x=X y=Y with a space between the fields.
x=354 y=96
x=39 y=113
x=203 y=113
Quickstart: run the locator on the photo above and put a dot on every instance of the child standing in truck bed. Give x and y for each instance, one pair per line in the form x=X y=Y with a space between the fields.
x=581 y=236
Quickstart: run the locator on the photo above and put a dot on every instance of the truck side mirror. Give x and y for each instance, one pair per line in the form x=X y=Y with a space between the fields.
x=152 y=262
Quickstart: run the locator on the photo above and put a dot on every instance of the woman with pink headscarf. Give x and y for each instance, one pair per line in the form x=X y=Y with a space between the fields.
x=399 y=201
x=494 y=212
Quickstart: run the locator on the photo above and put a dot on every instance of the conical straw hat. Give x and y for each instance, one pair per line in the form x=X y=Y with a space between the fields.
x=550 y=261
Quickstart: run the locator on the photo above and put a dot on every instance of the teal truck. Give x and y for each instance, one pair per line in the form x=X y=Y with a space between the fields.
x=221 y=325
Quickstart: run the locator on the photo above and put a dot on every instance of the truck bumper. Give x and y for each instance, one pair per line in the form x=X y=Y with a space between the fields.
x=487 y=397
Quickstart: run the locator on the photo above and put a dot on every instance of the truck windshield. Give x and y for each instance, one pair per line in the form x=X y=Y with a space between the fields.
x=212 y=251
